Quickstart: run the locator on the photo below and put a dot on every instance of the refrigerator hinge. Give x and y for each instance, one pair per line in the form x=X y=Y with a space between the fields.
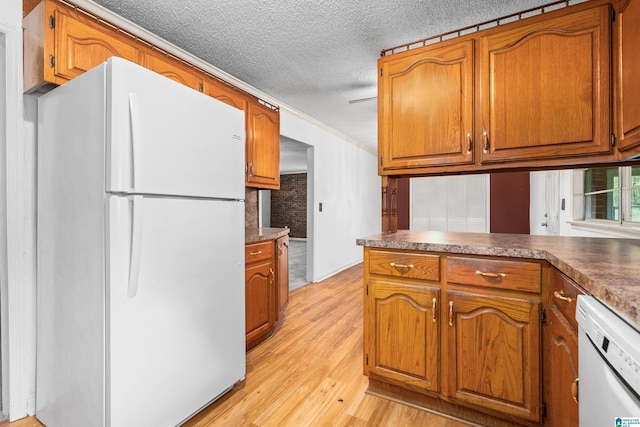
x=52 y=22
x=52 y=61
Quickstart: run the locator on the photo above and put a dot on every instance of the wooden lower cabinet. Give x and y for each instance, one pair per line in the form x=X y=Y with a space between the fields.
x=282 y=273
x=402 y=333
x=259 y=291
x=470 y=347
x=266 y=287
x=560 y=343
x=494 y=348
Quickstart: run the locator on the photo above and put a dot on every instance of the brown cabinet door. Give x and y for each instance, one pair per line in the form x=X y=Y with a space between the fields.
x=627 y=55
x=259 y=296
x=546 y=88
x=174 y=70
x=263 y=146
x=225 y=93
x=80 y=45
x=494 y=353
x=402 y=340
x=426 y=107
x=560 y=370
x=282 y=274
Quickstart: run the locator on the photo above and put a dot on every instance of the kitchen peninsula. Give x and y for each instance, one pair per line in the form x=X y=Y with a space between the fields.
x=266 y=281
x=482 y=326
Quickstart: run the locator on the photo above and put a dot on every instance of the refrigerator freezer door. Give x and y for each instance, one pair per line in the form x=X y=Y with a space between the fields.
x=176 y=336
x=165 y=138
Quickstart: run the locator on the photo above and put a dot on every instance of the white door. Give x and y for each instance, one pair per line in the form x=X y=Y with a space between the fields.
x=165 y=138
x=175 y=307
x=551 y=220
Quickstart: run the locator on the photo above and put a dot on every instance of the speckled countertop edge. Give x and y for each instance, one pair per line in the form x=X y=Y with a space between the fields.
x=608 y=269
x=259 y=234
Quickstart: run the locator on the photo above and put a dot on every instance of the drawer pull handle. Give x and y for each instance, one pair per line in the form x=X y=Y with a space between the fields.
x=574 y=390
x=433 y=310
x=255 y=253
x=491 y=275
x=402 y=266
x=469 y=143
x=562 y=297
x=450 y=313
x=273 y=275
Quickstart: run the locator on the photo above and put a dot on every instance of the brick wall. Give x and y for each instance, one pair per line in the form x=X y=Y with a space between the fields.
x=289 y=204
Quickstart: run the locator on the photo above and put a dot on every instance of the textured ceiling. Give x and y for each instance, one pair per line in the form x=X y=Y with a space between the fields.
x=313 y=56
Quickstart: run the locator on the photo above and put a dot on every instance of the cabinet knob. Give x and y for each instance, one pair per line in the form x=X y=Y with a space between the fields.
x=469 y=143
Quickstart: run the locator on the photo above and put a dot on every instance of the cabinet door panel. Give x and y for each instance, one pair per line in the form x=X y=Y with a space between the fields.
x=258 y=299
x=80 y=46
x=282 y=255
x=561 y=370
x=496 y=343
x=403 y=328
x=426 y=108
x=548 y=91
x=263 y=147
x=628 y=85
x=173 y=70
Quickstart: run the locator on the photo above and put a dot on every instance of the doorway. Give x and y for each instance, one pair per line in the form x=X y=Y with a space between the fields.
x=288 y=207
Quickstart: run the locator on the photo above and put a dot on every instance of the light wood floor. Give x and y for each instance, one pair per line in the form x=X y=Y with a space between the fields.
x=310 y=372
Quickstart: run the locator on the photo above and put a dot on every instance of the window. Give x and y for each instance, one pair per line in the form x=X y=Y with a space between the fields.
x=608 y=196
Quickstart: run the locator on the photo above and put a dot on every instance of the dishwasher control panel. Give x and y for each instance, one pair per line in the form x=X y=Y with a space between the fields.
x=617 y=341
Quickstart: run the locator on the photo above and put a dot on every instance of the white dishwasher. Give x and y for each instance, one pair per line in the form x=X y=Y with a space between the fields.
x=609 y=367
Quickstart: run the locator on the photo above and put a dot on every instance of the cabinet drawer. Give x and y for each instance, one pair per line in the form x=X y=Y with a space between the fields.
x=563 y=293
x=404 y=264
x=258 y=251
x=493 y=273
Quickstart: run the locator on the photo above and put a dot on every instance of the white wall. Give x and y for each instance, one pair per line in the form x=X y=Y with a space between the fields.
x=346 y=182
x=17 y=224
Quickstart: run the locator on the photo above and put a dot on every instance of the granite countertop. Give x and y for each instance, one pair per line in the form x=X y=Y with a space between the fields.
x=608 y=269
x=259 y=234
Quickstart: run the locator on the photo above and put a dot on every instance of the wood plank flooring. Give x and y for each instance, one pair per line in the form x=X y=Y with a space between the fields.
x=310 y=372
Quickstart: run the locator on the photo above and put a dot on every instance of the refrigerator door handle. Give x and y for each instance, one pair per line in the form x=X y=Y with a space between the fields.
x=134 y=119
x=136 y=246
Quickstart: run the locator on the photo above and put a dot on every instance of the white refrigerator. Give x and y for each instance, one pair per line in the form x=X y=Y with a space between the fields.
x=140 y=294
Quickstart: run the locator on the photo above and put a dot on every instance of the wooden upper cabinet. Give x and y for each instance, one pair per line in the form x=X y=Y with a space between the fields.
x=263 y=146
x=627 y=87
x=67 y=45
x=174 y=69
x=494 y=353
x=426 y=107
x=546 y=88
x=225 y=93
